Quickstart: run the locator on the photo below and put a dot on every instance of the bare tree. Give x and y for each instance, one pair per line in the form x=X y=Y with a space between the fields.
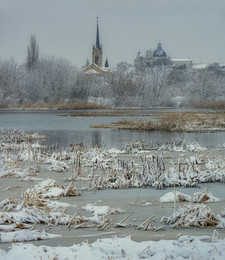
x=123 y=66
x=32 y=53
x=9 y=83
x=156 y=81
x=124 y=86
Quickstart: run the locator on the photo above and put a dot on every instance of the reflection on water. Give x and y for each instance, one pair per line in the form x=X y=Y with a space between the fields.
x=96 y=138
x=72 y=130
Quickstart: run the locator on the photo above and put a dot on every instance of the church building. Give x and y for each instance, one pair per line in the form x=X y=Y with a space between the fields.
x=96 y=67
x=159 y=52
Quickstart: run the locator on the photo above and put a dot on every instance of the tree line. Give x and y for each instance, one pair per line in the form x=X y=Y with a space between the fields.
x=45 y=80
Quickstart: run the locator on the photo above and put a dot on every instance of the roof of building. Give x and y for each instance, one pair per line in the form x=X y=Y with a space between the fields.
x=95 y=69
x=181 y=59
x=159 y=52
x=199 y=66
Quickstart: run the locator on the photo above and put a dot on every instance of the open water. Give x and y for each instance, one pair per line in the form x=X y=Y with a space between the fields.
x=66 y=130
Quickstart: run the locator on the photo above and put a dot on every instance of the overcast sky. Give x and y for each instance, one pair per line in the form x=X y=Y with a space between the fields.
x=67 y=28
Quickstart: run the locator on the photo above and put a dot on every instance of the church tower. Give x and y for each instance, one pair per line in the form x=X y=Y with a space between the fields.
x=97 y=66
x=97 y=50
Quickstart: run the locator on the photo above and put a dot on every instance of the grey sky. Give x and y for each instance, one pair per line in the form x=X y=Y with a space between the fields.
x=67 y=28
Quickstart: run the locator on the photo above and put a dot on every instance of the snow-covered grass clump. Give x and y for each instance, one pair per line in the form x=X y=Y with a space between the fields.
x=193 y=215
x=172 y=146
x=51 y=189
x=100 y=211
x=204 y=196
x=170 y=196
x=197 y=197
x=10 y=167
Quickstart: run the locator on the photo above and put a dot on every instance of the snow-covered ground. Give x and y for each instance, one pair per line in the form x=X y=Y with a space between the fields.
x=64 y=196
x=186 y=247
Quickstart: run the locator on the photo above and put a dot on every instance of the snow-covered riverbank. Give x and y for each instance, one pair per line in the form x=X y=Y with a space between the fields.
x=186 y=247
x=80 y=192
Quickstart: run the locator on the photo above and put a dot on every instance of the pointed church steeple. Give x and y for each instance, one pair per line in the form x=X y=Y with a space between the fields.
x=97 y=65
x=87 y=62
x=106 y=63
x=97 y=50
x=98 y=45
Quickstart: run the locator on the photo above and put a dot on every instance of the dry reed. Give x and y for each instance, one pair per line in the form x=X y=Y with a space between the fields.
x=188 y=121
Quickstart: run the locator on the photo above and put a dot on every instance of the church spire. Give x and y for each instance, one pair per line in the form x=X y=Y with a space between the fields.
x=106 y=63
x=97 y=37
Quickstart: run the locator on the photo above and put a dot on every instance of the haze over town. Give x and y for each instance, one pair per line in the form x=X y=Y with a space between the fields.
x=67 y=28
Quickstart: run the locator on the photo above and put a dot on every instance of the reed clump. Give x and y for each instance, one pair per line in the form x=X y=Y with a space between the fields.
x=106 y=113
x=100 y=113
x=77 y=104
x=190 y=215
x=188 y=121
x=210 y=104
x=60 y=105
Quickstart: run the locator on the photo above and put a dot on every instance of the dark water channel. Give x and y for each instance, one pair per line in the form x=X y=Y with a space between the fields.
x=66 y=130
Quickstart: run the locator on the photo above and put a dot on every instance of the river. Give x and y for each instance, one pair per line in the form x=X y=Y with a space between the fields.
x=66 y=130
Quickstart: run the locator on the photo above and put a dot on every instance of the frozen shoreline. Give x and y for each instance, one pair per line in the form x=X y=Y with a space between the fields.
x=143 y=202
x=186 y=247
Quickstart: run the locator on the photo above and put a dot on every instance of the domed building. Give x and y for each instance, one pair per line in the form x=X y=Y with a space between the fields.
x=159 y=52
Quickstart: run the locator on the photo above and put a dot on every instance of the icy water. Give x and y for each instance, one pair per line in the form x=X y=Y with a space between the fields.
x=66 y=130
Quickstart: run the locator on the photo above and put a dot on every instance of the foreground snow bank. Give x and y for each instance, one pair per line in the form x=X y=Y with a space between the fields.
x=185 y=247
x=25 y=235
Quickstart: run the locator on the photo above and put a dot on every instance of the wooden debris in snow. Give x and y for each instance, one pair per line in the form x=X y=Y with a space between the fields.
x=121 y=223
x=105 y=222
x=148 y=225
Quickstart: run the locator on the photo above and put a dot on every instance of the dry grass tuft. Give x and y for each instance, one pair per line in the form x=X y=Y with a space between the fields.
x=106 y=113
x=60 y=105
x=78 y=104
x=188 y=121
x=210 y=104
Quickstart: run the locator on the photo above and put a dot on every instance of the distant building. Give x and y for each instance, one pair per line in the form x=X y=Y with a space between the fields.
x=159 y=57
x=199 y=66
x=159 y=52
x=182 y=62
x=96 y=67
x=212 y=66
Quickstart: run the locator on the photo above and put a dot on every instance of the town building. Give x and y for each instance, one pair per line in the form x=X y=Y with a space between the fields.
x=96 y=67
x=182 y=62
x=159 y=52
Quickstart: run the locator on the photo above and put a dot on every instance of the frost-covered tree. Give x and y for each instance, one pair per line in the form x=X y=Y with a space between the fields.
x=148 y=58
x=123 y=66
x=204 y=86
x=156 y=82
x=57 y=81
x=32 y=53
x=215 y=68
x=147 y=61
x=82 y=87
x=139 y=62
x=53 y=81
x=10 y=75
x=125 y=86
